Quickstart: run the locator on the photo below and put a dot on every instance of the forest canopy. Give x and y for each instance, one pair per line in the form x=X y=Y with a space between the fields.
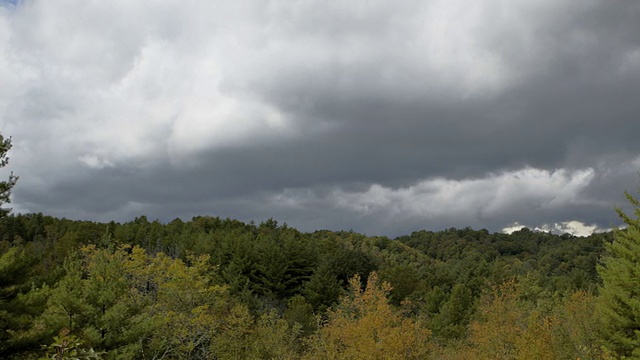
x=213 y=288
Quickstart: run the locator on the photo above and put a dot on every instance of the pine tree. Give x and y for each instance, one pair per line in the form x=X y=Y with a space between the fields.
x=620 y=292
x=5 y=186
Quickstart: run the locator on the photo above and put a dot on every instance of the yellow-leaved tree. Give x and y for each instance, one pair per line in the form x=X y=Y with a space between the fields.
x=510 y=327
x=365 y=326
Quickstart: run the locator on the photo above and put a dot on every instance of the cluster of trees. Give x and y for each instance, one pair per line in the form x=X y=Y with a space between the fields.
x=213 y=288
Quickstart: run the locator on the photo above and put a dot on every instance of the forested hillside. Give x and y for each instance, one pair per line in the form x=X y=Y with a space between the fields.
x=214 y=288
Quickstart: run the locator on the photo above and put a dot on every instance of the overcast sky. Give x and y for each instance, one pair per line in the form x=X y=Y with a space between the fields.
x=382 y=117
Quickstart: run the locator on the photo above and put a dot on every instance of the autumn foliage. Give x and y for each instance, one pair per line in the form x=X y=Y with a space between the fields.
x=364 y=325
x=222 y=289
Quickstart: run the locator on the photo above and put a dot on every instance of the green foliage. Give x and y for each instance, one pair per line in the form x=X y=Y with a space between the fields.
x=300 y=313
x=404 y=279
x=69 y=347
x=17 y=275
x=620 y=291
x=453 y=317
x=7 y=185
x=219 y=288
x=127 y=303
x=244 y=337
x=323 y=289
x=15 y=265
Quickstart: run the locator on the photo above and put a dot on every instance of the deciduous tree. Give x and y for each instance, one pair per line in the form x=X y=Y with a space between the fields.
x=365 y=326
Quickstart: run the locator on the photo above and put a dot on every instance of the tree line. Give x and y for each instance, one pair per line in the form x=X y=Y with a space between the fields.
x=213 y=288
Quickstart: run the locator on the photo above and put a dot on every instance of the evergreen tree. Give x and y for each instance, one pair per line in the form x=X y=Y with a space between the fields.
x=15 y=274
x=323 y=289
x=620 y=291
x=5 y=186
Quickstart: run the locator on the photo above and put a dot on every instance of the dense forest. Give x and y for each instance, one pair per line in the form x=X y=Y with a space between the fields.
x=213 y=288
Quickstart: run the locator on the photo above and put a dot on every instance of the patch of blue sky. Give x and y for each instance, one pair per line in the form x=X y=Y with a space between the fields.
x=9 y=3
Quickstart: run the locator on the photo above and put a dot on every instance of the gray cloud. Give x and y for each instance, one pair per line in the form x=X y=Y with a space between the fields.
x=324 y=115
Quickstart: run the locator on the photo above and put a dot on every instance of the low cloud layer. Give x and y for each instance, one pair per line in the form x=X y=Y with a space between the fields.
x=573 y=227
x=383 y=118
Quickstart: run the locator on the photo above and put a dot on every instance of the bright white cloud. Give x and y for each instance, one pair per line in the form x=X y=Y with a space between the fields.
x=539 y=188
x=128 y=81
x=495 y=195
x=516 y=226
x=573 y=227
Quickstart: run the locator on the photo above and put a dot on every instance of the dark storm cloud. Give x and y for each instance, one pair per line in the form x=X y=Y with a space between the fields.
x=579 y=102
x=381 y=118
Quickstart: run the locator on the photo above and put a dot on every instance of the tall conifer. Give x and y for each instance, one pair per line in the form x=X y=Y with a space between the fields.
x=5 y=186
x=620 y=292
